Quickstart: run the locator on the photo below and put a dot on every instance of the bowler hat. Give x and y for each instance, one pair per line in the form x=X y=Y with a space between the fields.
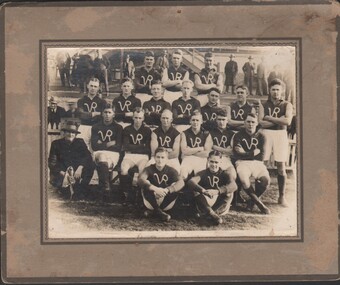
x=71 y=127
x=53 y=100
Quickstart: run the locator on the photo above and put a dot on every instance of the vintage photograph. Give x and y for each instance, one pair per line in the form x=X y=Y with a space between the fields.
x=170 y=140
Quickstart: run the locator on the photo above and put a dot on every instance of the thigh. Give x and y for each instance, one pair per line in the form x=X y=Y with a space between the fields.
x=143 y=97
x=260 y=170
x=244 y=172
x=141 y=163
x=127 y=163
x=268 y=134
x=280 y=146
x=170 y=96
x=174 y=163
x=199 y=164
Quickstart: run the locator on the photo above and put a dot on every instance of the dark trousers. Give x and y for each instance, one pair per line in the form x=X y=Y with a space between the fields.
x=65 y=72
x=151 y=198
x=248 y=81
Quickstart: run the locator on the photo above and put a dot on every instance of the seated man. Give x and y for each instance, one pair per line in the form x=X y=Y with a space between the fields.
x=184 y=107
x=160 y=184
x=136 y=144
x=156 y=105
x=213 y=189
x=248 y=152
x=238 y=110
x=173 y=77
x=106 y=142
x=70 y=162
x=195 y=146
x=209 y=111
x=169 y=138
x=125 y=103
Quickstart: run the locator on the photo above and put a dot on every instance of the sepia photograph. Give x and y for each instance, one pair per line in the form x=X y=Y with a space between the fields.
x=170 y=142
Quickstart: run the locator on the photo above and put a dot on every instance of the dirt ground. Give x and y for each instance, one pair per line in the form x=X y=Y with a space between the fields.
x=92 y=219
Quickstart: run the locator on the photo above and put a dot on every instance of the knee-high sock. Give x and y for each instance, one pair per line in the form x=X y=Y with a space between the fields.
x=103 y=175
x=281 y=180
x=251 y=192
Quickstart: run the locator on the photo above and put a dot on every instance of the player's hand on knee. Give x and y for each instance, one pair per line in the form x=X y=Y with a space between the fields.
x=77 y=174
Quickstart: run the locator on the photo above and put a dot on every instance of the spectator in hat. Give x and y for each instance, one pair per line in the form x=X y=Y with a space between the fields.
x=249 y=69
x=230 y=71
x=70 y=162
x=54 y=113
x=63 y=62
x=262 y=88
x=162 y=62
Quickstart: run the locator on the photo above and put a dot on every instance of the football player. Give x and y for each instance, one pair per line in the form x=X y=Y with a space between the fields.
x=160 y=184
x=238 y=110
x=173 y=77
x=125 y=103
x=136 y=144
x=156 y=105
x=106 y=142
x=169 y=138
x=248 y=152
x=196 y=144
x=144 y=76
x=210 y=110
x=184 y=107
x=213 y=189
x=208 y=78
x=275 y=116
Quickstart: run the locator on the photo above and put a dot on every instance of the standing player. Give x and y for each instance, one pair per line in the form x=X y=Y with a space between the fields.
x=275 y=116
x=209 y=111
x=160 y=184
x=208 y=78
x=213 y=189
x=248 y=152
x=90 y=108
x=155 y=106
x=173 y=77
x=184 y=107
x=239 y=110
x=195 y=146
x=169 y=138
x=144 y=76
x=125 y=103
x=136 y=144
x=106 y=142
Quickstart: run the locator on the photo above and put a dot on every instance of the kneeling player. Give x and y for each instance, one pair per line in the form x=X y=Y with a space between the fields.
x=213 y=189
x=248 y=151
x=160 y=184
x=136 y=143
x=106 y=141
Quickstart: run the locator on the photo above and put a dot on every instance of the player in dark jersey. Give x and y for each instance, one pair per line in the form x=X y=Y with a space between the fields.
x=208 y=78
x=168 y=137
x=136 y=144
x=144 y=76
x=125 y=104
x=173 y=77
x=106 y=142
x=213 y=189
x=210 y=110
x=238 y=110
x=156 y=105
x=90 y=108
x=184 y=107
x=196 y=144
x=248 y=152
x=275 y=116
x=160 y=184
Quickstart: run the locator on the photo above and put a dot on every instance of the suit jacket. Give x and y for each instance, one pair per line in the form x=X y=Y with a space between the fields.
x=230 y=71
x=248 y=69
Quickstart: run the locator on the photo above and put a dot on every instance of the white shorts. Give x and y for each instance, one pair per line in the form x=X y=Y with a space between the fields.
x=194 y=164
x=111 y=157
x=181 y=128
x=85 y=134
x=276 y=143
x=225 y=163
x=143 y=97
x=203 y=99
x=124 y=125
x=254 y=168
x=137 y=159
x=173 y=162
x=171 y=96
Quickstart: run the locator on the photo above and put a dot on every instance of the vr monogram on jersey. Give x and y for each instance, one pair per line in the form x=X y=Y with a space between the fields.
x=163 y=179
x=239 y=114
x=213 y=181
x=222 y=142
x=165 y=142
x=187 y=109
x=92 y=107
x=137 y=139
x=209 y=79
x=176 y=76
x=108 y=135
x=195 y=143
x=253 y=143
x=126 y=106
x=275 y=112
x=212 y=117
x=156 y=109
x=147 y=80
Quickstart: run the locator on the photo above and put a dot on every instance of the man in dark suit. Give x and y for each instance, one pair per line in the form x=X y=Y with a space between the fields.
x=249 y=69
x=261 y=79
x=230 y=71
x=55 y=113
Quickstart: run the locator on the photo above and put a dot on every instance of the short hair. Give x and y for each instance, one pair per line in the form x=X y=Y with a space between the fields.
x=156 y=82
x=161 y=149
x=221 y=113
x=208 y=54
x=196 y=113
x=215 y=89
x=94 y=79
x=138 y=110
x=276 y=81
x=108 y=105
x=149 y=53
x=243 y=87
x=215 y=153
x=177 y=51
x=188 y=82
x=127 y=79
x=168 y=111
x=253 y=115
